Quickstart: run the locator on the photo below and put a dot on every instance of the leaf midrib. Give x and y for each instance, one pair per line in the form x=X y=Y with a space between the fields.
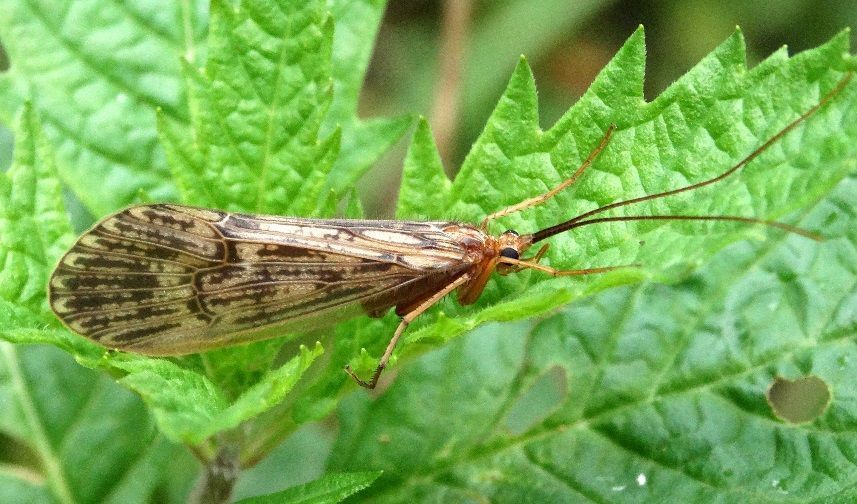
x=272 y=108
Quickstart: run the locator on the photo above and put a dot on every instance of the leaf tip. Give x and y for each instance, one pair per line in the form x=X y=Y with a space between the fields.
x=624 y=75
x=423 y=130
x=423 y=147
x=520 y=99
x=27 y=118
x=523 y=70
x=736 y=47
x=328 y=24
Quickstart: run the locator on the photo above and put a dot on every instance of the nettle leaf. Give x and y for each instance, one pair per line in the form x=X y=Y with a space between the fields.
x=84 y=431
x=703 y=124
x=275 y=107
x=422 y=169
x=254 y=144
x=96 y=70
x=329 y=489
x=34 y=231
x=189 y=408
x=91 y=440
x=263 y=130
x=261 y=99
x=649 y=393
x=266 y=128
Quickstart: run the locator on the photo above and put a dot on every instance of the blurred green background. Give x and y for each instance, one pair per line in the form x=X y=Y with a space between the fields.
x=450 y=61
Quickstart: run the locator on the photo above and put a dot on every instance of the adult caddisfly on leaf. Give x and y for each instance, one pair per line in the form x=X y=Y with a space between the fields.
x=167 y=279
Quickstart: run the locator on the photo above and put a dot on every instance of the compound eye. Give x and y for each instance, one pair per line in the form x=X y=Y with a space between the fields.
x=510 y=253
x=511 y=232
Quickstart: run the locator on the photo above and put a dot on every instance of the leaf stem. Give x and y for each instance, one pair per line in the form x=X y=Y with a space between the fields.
x=218 y=477
x=201 y=453
x=451 y=56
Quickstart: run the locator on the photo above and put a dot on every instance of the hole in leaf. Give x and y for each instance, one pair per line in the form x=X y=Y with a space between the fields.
x=799 y=401
x=535 y=404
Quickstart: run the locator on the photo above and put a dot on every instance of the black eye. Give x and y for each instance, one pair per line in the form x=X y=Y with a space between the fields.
x=509 y=252
x=511 y=232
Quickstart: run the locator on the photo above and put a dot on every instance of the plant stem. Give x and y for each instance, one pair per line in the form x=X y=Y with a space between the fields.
x=218 y=478
x=451 y=56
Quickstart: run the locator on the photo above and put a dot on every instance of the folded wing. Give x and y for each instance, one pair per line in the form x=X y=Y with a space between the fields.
x=168 y=279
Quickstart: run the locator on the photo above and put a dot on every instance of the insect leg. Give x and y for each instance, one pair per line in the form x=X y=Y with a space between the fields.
x=538 y=257
x=536 y=200
x=406 y=320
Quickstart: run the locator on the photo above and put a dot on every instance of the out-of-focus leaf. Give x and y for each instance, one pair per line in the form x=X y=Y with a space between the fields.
x=94 y=441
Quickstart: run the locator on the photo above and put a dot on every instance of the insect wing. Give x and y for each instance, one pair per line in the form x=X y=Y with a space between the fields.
x=167 y=279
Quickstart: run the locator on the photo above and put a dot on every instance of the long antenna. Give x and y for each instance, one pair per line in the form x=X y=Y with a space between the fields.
x=731 y=218
x=583 y=219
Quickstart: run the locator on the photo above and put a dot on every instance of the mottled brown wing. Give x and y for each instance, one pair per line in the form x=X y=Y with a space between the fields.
x=168 y=279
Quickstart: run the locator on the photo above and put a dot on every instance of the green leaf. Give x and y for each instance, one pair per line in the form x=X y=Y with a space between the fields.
x=92 y=440
x=256 y=143
x=270 y=125
x=687 y=134
x=96 y=70
x=34 y=230
x=84 y=431
x=331 y=488
x=276 y=101
x=260 y=102
x=189 y=408
x=648 y=393
x=423 y=169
